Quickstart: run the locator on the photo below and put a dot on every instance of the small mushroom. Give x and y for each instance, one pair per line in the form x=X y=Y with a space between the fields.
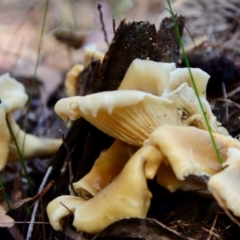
x=106 y=167
x=30 y=145
x=13 y=97
x=126 y=196
x=91 y=53
x=73 y=75
x=72 y=79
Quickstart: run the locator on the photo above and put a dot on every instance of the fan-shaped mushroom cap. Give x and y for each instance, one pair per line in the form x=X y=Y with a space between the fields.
x=225 y=185
x=147 y=76
x=12 y=93
x=106 y=167
x=126 y=196
x=13 y=97
x=120 y=113
x=182 y=75
x=126 y=115
x=130 y=115
x=190 y=151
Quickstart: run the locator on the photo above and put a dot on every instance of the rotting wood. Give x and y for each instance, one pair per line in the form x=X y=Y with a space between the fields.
x=167 y=45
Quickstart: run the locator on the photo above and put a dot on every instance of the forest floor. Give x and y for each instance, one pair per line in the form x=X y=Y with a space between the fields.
x=212 y=42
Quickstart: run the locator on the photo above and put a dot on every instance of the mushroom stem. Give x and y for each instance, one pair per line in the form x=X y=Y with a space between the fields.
x=30 y=145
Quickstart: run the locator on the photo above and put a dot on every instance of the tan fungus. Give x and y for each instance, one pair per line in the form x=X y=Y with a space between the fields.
x=13 y=97
x=106 y=167
x=126 y=196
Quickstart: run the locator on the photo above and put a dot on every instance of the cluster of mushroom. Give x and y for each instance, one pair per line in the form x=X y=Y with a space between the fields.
x=160 y=131
x=13 y=97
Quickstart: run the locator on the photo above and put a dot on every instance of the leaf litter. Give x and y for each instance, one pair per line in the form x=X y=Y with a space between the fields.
x=213 y=225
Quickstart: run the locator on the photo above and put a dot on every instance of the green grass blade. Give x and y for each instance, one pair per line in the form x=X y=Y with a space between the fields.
x=39 y=50
x=193 y=83
x=20 y=153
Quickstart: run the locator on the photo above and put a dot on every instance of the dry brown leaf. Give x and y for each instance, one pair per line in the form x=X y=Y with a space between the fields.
x=14 y=205
x=5 y=220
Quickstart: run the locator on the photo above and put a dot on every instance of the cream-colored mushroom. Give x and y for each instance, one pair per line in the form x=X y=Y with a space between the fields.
x=13 y=97
x=162 y=78
x=189 y=157
x=73 y=75
x=120 y=113
x=161 y=116
x=224 y=185
x=126 y=196
x=91 y=53
x=72 y=78
x=190 y=151
x=106 y=167
x=182 y=75
x=130 y=115
x=30 y=145
x=147 y=76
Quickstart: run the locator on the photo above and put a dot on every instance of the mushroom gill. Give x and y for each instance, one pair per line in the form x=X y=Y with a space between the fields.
x=145 y=98
x=120 y=113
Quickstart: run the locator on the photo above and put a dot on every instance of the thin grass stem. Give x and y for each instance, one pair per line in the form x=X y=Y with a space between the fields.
x=20 y=153
x=194 y=84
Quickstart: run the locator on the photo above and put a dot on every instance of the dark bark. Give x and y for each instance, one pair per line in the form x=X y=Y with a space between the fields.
x=132 y=40
x=167 y=44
